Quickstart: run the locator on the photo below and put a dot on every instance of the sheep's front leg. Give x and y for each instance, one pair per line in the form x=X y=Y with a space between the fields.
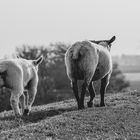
x=104 y=84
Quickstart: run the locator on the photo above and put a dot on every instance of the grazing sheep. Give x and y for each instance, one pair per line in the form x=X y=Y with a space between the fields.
x=19 y=75
x=89 y=61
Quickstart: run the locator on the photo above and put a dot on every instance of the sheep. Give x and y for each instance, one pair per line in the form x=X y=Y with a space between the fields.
x=20 y=75
x=89 y=61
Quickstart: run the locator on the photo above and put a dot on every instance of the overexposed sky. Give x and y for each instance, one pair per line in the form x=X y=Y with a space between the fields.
x=40 y=22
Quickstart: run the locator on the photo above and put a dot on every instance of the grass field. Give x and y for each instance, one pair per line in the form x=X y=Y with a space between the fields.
x=119 y=120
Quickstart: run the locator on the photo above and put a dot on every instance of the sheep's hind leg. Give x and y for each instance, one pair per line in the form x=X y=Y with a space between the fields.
x=75 y=91
x=22 y=103
x=32 y=93
x=14 y=100
x=84 y=86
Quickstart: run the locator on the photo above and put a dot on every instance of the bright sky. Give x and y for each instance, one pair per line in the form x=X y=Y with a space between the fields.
x=40 y=22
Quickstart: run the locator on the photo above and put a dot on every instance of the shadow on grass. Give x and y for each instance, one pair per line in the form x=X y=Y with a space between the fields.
x=39 y=115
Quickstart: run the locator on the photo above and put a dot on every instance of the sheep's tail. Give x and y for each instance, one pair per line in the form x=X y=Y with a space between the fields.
x=75 y=52
x=79 y=50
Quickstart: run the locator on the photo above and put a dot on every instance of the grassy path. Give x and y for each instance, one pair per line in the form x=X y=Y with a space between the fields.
x=119 y=120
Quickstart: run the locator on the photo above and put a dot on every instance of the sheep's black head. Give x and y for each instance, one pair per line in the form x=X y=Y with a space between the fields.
x=105 y=43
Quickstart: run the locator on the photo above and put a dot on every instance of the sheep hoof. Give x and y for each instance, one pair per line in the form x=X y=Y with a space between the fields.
x=89 y=104
x=102 y=104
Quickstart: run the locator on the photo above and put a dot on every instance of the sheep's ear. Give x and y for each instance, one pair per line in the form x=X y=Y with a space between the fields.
x=112 y=40
x=38 y=61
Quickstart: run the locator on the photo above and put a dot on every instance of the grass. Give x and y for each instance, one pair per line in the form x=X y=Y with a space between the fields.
x=119 y=120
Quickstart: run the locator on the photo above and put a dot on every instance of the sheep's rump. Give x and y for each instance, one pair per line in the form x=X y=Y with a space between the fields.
x=14 y=69
x=85 y=59
x=81 y=59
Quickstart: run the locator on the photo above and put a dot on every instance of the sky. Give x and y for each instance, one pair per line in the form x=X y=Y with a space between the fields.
x=41 y=22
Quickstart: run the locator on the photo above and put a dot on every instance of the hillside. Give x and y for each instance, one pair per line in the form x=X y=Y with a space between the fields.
x=119 y=120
